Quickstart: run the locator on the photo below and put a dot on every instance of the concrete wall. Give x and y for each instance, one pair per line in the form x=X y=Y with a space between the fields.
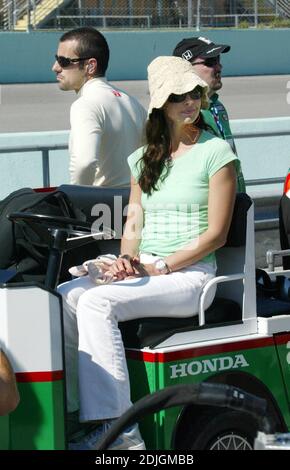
x=28 y=57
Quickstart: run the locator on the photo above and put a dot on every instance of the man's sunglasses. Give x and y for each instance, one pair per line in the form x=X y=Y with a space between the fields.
x=66 y=61
x=210 y=62
x=195 y=94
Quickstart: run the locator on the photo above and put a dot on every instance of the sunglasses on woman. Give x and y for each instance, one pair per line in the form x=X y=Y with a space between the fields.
x=66 y=61
x=195 y=94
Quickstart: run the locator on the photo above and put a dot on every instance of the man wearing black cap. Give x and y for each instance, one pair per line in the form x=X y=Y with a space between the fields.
x=204 y=55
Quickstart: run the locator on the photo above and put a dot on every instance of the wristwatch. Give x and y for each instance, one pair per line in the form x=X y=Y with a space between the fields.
x=162 y=267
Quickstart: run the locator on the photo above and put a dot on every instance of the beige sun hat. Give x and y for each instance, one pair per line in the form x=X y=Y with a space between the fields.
x=167 y=75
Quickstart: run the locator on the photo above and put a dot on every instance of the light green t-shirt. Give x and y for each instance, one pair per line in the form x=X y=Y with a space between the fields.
x=177 y=212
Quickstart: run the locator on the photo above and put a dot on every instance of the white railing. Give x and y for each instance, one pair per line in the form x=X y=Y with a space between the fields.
x=44 y=149
x=260 y=221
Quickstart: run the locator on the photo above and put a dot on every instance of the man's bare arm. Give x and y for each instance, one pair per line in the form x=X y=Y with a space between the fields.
x=9 y=396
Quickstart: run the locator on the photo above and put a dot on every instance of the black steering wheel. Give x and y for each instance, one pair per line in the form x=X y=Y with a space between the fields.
x=72 y=227
x=58 y=229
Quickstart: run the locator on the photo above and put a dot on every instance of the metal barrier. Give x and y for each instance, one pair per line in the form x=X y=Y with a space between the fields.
x=44 y=149
x=247 y=135
x=260 y=181
x=266 y=207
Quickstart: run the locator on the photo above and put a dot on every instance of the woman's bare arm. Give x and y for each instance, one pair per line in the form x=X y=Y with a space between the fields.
x=222 y=191
x=130 y=242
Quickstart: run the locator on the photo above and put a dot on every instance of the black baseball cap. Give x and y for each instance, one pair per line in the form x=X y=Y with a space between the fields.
x=191 y=48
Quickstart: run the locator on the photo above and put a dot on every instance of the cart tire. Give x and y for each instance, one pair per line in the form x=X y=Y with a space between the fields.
x=222 y=430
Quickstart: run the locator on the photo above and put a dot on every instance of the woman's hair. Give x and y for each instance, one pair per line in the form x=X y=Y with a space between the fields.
x=156 y=156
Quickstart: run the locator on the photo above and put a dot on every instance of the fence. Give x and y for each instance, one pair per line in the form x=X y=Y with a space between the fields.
x=46 y=164
x=44 y=150
x=66 y=14
x=264 y=213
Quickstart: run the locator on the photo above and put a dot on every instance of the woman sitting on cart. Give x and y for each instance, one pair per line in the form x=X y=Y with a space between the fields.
x=182 y=196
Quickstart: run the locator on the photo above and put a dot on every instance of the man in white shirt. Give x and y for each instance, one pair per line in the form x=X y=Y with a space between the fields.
x=107 y=125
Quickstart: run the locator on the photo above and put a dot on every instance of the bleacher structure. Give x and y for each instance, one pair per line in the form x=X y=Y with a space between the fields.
x=23 y=15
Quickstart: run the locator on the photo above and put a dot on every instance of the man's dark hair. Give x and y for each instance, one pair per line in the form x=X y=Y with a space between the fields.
x=91 y=43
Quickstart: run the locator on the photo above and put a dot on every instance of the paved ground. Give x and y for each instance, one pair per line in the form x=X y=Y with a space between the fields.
x=43 y=107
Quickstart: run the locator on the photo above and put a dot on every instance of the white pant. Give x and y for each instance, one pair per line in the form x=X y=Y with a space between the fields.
x=96 y=369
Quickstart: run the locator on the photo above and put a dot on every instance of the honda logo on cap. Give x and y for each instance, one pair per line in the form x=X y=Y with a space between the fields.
x=187 y=55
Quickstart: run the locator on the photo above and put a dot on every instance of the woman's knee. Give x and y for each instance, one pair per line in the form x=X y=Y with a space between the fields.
x=97 y=301
x=70 y=295
x=64 y=289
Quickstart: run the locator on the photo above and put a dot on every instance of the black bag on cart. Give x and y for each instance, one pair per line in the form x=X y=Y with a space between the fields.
x=284 y=228
x=273 y=296
x=24 y=248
